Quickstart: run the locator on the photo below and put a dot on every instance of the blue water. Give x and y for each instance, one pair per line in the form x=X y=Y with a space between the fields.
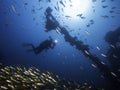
x=27 y=25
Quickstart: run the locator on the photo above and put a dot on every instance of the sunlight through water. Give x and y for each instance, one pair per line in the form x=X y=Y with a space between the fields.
x=76 y=7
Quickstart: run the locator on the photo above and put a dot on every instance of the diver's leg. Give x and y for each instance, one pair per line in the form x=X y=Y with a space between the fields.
x=52 y=45
x=28 y=44
x=38 y=50
x=33 y=47
x=35 y=50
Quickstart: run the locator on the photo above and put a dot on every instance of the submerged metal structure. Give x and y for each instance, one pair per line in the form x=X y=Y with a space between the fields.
x=79 y=45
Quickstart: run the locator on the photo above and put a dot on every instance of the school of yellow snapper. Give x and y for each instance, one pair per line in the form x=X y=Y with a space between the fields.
x=22 y=78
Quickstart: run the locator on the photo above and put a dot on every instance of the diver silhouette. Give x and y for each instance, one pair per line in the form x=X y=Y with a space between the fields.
x=45 y=45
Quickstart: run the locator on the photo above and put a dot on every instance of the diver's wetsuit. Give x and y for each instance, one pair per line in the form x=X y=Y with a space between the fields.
x=47 y=44
x=44 y=46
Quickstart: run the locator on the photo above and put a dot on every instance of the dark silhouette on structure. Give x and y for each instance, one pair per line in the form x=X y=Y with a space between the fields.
x=51 y=23
x=113 y=38
x=45 y=45
x=82 y=47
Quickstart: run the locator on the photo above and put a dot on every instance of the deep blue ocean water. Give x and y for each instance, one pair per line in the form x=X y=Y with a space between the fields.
x=23 y=21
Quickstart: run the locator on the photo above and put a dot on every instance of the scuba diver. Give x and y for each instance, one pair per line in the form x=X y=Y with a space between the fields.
x=47 y=44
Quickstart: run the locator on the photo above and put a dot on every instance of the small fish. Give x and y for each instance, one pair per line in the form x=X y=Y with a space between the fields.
x=25 y=4
x=93 y=10
x=112 y=46
x=94 y=0
x=33 y=10
x=111 y=11
x=113 y=8
x=86 y=52
x=103 y=1
x=93 y=65
x=105 y=6
x=56 y=8
x=70 y=1
x=81 y=16
x=40 y=8
x=115 y=56
x=98 y=48
x=112 y=16
x=103 y=63
x=62 y=10
x=8 y=81
x=68 y=16
x=87 y=32
x=13 y=8
x=91 y=21
x=49 y=0
x=39 y=0
x=11 y=86
x=40 y=84
x=88 y=25
x=105 y=16
x=61 y=2
x=58 y=30
x=113 y=74
x=103 y=55
x=3 y=87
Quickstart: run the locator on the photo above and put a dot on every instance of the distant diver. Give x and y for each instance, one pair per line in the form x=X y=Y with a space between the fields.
x=45 y=45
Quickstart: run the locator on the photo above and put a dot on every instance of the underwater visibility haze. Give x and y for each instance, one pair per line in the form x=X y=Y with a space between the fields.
x=78 y=40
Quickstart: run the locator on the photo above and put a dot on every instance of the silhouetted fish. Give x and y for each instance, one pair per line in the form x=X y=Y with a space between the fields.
x=13 y=8
x=105 y=6
x=105 y=16
x=103 y=1
x=61 y=2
